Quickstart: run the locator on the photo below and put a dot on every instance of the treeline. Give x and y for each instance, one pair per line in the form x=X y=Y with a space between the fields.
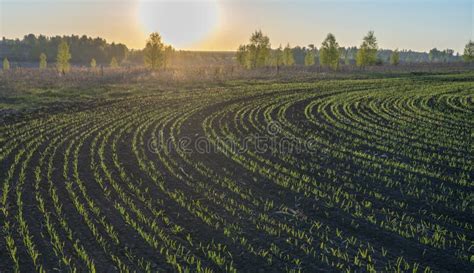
x=348 y=55
x=82 y=49
x=258 y=53
x=32 y=49
x=88 y=51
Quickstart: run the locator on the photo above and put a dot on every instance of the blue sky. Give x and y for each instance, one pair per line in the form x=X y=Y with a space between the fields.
x=418 y=25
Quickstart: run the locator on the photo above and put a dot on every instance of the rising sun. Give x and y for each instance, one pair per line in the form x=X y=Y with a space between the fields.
x=181 y=23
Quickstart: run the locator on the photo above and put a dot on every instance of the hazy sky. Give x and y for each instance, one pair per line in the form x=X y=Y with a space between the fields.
x=224 y=24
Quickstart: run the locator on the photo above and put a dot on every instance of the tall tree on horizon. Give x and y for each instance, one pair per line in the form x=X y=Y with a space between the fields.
x=260 y=46
x=329 y=52
x=367 y=54
x=154 y=51
x=256 y=53
x=63 y=57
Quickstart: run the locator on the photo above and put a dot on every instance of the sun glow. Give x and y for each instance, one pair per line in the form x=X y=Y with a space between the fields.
x=181 y=23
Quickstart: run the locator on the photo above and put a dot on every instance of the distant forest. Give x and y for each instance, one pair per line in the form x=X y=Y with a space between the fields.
x=84 y=48
x=348 y=55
